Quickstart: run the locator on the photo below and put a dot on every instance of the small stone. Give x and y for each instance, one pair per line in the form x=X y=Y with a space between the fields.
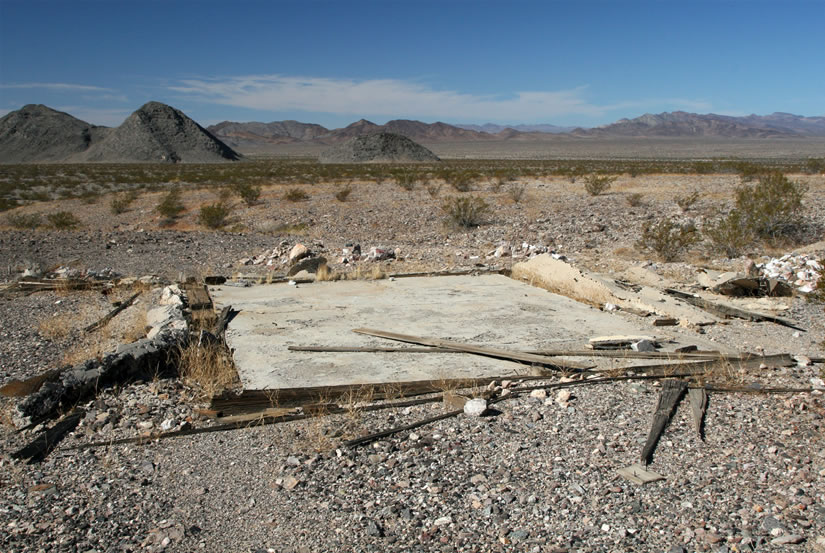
x=374 y=529
x=475 y=407
x=539 y=394
x=290 y=482
x=788 y=539
x=563 y=397
x=443 y=521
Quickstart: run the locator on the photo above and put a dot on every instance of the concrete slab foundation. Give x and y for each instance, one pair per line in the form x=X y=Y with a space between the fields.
x=488 y=310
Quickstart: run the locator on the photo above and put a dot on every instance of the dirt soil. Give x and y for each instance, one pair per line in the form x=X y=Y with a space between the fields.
x=539 y=474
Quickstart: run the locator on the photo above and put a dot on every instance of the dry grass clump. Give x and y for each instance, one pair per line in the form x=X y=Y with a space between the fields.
x=516 y=191
x=247 y=192
x=687 y=201
x=296 y=195
x=208 y=368
x=634 y=200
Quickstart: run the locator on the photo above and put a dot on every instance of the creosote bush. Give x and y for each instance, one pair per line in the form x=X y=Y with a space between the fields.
x=296 y=195
x=598 y=184
x=770 y=206
x=342 y=194
x=170 y=206
x=465 y=211
x=63 y=220
x=214 y=216
x=248 y=193
x=24 y=221
x=729 y=235
x=121 y=202
x=668 y=239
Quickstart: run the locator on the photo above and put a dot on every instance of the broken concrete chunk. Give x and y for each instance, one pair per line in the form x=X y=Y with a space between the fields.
x=620 y=342
x=643 y=345
x=299 y=251
x=310 y=265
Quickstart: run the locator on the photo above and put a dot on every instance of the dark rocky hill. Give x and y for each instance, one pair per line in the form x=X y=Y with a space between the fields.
x=381 y=147
x=36 y=133
x=158 y=133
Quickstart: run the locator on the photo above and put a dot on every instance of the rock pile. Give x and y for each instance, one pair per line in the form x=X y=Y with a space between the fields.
x=380 y=147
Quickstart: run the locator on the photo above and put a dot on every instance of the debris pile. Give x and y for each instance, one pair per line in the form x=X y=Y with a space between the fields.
x=802 y=271
x=525 y=250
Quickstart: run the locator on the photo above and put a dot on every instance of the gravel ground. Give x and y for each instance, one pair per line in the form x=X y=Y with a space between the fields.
x=535 y=476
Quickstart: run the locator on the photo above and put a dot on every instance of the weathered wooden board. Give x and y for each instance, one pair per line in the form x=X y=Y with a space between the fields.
x=638 y=474
x=698 y=405
x=669 y=397
x=471 y=348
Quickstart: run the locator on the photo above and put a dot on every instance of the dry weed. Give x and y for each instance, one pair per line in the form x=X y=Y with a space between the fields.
x=209 y=368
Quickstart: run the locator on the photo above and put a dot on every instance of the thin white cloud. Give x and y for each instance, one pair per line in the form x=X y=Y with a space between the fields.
x=58 y=86
x=388 y=97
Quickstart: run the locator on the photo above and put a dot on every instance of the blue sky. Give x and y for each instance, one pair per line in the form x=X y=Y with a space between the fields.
x=562 y=62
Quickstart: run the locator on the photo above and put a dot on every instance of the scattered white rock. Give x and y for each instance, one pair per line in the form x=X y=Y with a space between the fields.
x=475 y=407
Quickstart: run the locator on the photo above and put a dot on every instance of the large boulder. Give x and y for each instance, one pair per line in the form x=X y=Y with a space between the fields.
x=382 y=147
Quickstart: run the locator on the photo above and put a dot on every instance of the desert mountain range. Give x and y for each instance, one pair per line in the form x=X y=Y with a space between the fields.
x=160 y=133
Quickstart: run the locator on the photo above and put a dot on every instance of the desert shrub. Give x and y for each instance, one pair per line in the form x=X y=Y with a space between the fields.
x=598 y=184
x=406 y=180
x=461 y=181
x=23 y=220
x=433 y=189
x=635 y=199
x=769 y=207
x=7 y=203
x=63 y=220
x=729 y=235
x=214 y=216
x=296 y=195
x=248 y=193
x=814 y=166
x=170 y=206
x=668 y=239
x=122 y=202
x=343 y=193
x=516 y=191
x=686 y=201
x=465 y=211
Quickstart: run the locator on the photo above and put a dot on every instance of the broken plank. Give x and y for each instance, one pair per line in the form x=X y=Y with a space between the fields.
x=293 y=397
x=698 y=405
x=197 y=296
x=728 y=311
x=669 y=397
x=113 y=313
x=638 y=474
x=509 y=355
x=620 y=353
